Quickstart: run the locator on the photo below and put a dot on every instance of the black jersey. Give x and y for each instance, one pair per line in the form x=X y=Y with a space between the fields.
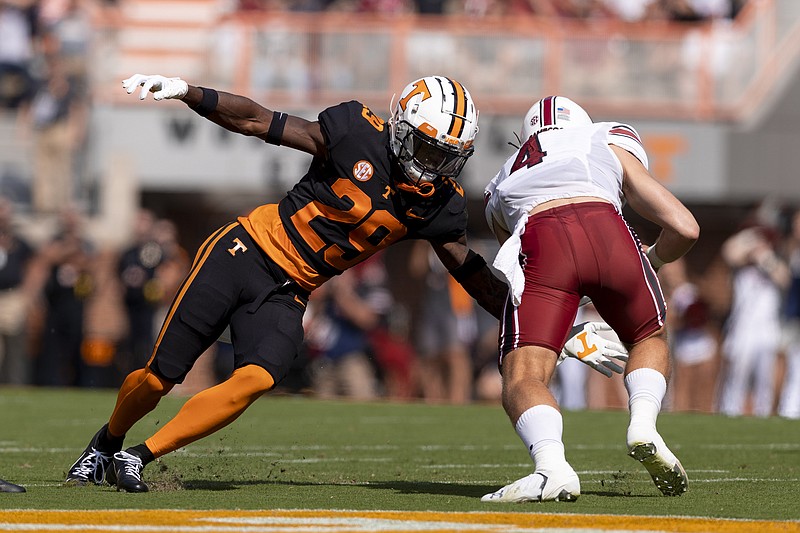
x=346 y=207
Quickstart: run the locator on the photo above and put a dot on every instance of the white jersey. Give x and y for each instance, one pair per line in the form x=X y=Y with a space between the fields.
x=555 y=164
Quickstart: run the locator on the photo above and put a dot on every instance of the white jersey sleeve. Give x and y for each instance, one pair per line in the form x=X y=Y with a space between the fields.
x=627 y=138
x=491 y=205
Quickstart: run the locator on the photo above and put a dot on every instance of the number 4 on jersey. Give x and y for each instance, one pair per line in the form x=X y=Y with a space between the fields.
x=529 y=154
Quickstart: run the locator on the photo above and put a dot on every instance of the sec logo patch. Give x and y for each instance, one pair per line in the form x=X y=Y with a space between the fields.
x=362 y=171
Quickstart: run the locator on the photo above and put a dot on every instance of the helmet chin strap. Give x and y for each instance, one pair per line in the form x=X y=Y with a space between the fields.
x=424 y=189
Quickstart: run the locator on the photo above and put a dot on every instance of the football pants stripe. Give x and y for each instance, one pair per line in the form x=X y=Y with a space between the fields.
x=659 y=302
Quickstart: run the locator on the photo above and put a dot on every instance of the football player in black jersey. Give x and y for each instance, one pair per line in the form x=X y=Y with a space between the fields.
x=370 y=184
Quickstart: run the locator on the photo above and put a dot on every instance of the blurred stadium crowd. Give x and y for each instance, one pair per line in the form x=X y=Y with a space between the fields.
x=74 y=312
x=630 y=10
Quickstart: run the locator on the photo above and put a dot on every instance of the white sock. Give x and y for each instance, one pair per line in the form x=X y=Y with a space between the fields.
x=646 y=388
x=541 y=428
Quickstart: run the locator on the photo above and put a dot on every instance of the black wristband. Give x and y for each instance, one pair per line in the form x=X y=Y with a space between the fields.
x=275 y=132
x=208 y=103
x=471 y=264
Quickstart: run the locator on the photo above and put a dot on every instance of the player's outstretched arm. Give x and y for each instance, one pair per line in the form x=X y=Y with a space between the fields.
x=472 y=272
x=233 y=112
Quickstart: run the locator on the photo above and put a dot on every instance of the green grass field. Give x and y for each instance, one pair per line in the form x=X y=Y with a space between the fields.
x=300 y=453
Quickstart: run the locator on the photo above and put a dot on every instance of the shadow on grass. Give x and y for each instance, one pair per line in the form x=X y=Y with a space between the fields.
x=403 y=487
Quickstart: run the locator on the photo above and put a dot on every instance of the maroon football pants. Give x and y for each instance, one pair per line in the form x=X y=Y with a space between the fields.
x=575 y=250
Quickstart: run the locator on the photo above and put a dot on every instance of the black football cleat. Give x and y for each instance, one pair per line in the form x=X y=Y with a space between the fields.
x=92 y=465
x=127 y=471
x=5 y=486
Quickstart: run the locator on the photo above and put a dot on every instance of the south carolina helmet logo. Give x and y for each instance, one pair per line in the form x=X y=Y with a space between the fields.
x=363 y=171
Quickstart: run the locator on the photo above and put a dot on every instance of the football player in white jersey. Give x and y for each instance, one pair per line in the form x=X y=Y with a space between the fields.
x=556 y=208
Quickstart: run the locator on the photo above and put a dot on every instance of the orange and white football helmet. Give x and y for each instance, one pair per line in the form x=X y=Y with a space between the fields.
x=553 y=112
x=433 y=128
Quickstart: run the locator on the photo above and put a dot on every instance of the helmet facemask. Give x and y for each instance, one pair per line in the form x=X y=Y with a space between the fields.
x=425 y=159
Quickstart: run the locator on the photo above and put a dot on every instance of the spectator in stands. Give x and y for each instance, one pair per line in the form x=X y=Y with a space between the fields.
x=15 y=299
x=430 y=7
x=67 y=34
x=104 y=322
x=583 y=9
x=309 y=6
x=341 y=314
x=542 y=8
x=674 y=10
x=384 y=7
x=752 y=332
x=174 y=265
x=695 y=343
x=445 y=330
x=691 y=10
x=484 y=8
x=629 y=10
x=789 y=405
x=56 y=117
x=67 y=259
x=17 y=30
x=142 y=292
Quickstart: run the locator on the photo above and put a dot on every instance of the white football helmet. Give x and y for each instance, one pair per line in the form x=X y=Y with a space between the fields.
x=432 y=129
x=553 y=112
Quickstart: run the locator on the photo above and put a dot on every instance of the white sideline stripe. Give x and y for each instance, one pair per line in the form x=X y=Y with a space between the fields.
x=331 y=524
x=304 y=460
x=650 y=482
x=530 y=465
x=8 y=447
x=737 y=479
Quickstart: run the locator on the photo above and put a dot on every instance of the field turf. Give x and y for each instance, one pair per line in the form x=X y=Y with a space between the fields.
x=300 y=453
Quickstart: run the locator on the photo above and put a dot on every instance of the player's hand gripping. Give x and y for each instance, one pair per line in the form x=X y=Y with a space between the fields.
x=592 y=349
x=161 y=87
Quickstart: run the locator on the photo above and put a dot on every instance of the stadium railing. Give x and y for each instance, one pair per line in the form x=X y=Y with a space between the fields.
x=697 y=71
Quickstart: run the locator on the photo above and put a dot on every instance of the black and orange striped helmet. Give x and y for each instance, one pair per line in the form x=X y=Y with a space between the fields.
x=433 y=129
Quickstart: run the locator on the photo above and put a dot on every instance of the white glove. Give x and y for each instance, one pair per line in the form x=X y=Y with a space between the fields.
x=161 y=87
x=592 y=349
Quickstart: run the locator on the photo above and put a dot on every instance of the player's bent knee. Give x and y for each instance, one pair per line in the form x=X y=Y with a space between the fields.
x=156 y=383
x=145 y=378
x=529 y=363
x=252 y=380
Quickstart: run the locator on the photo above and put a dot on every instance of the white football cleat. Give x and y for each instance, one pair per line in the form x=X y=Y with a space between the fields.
x=662 y=465
x=562 y=485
